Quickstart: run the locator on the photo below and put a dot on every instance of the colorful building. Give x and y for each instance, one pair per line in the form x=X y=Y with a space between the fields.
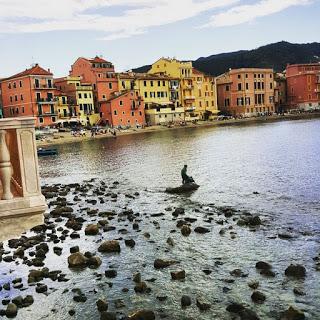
x=160 y=95
x=67 y=112
x=123 y=109
x=80 y=98
x=303 y=86
x=30 y=93
x=246 y=92
x=197 y=91
x=280 y=92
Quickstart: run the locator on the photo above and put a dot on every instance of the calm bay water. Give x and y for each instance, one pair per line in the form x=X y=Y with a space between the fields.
x=267 y=169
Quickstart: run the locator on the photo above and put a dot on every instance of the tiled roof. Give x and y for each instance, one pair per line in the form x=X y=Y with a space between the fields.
x=36 y=71
x=98 y=60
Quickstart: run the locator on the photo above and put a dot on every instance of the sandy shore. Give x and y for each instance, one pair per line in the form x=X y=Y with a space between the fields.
x=65 y=137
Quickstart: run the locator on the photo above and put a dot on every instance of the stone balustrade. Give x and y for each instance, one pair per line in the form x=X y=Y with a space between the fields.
x=20 y=191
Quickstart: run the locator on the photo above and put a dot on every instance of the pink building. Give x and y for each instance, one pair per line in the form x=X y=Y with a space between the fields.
x=303 y=86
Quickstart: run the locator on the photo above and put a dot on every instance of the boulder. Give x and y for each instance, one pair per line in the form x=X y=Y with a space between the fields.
x=178 y=275
x=102 y=305
x=141 y=287
x=130 y=243
x=261 y=265
x=292 y=314
x=185 y=301
x=108 y=316
x=142 y=315
x=160 y=264
x=201 y=230
x=12 y=310
x=296 y=271
x=202 y=304
x=185 y=230
x=258 y=297
x=91 y=230
x=109 y=246
x=77 y=260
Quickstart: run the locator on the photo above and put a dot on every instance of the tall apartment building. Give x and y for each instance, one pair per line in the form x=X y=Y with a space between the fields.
x=303 y=86
x=160 y=94
x=30 y=93
x=197 y=94
x=246 y=92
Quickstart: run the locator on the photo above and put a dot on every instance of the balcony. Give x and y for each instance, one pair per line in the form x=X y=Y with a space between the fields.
x=43 y=86
x=45 y=101
x=190 y=109
x=48 y=114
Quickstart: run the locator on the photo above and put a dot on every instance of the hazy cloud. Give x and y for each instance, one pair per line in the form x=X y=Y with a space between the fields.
x=135 y=16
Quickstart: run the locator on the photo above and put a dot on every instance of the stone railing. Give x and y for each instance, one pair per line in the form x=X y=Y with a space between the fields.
x=20 y=191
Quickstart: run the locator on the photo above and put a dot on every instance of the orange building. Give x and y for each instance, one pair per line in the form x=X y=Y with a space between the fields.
x=100 y=74
x=246 y=92
x=30 y=93
x=123 y=109
x=302 y=86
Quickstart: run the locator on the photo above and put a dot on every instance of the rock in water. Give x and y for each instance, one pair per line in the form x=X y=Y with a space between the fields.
x=292 y=314
x=160 y=264
x=77 y=260
x=296 y=271
x=12 y=310
x=109 y=246
x=91 y=230
x=142 y=315
x=185 y=301
x=178 y=275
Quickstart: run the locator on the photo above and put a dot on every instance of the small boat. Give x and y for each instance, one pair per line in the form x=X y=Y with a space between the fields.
x=47 y=152
x=185 y=188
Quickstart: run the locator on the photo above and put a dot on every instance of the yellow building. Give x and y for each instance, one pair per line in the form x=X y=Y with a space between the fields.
x=80 y=97
x=160 y=94
x=197 y=92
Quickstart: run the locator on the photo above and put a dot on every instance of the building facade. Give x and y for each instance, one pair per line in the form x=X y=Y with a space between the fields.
x=30 y=93
x=246 y=92
x=80 y=98
x=160 y=95
x=197 y=91
x=123 y=109
x=280 y=92
x=303 y=86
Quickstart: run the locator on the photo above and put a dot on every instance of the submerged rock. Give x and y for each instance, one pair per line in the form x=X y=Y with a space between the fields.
x=292 y=314
x=258 y=297
x=296 y=271
x=142 y=315
x=160 y=264
x=178 y=275
x=185 y=301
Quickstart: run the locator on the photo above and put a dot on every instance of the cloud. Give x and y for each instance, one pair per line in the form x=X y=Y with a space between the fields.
x=133 y=17
x=246 y=13
x=137 y=16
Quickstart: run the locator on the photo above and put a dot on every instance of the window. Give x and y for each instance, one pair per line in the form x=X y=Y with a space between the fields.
x=17 y=110
x=20 y=84
x=49 y=83
x=200 y=104
x=239 y=87
x=120 y=103
x=123 y=112
x=158 y=94
x=247 y=86
x=159 y=83
x=132 y=113
x=146 y=94
x=110 y=85
x=115 y=112
x=10 y=99
x=140 y=113
x=123 y=84
x=271 y=86
x=207 y=104
x=103 y=96
x=151 y=83
x=239 y=76
x=85 y=95
x=21 y=97
x=41 y=120
x=246 y=75
x=38 y=96
x=22 y=109
x=53 y=119
x=227 y=88
x=163 y=83
x=14 y=85
x=9 y=85
x=145 y=83
x=15 y=98
x=80 y=95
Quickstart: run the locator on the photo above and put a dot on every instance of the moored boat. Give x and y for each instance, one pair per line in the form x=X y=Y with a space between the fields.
x=47 y=152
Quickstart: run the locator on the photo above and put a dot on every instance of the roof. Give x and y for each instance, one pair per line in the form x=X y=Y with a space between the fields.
x=147 y=76
x=117 y=95
x=35 y=70
x=98 y=60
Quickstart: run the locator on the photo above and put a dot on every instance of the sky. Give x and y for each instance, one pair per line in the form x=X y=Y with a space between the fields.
x=132 y=33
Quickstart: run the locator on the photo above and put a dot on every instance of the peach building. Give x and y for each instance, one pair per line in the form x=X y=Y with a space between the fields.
x=303 y=86
x=100 y=74
x=30 y=93
x=246 y=92
x=123 y=109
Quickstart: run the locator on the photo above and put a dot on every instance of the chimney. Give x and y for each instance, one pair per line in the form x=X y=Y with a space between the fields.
x=49 y=70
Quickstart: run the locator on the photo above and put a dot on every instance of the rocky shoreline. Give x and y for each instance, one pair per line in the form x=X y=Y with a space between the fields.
x=104 y=253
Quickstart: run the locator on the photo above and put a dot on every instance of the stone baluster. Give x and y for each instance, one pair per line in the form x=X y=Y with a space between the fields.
x=5 y=167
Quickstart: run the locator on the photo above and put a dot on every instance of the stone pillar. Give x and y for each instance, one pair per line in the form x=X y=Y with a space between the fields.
x=21 y=190
x=5 y=168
